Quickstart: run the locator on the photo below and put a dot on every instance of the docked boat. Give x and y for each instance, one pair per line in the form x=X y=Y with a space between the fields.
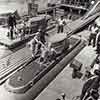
x=29 y=81
x=21 y=85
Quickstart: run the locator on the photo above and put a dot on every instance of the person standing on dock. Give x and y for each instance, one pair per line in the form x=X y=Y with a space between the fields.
x=11 y=24
x=61 y=23
x=94 y=31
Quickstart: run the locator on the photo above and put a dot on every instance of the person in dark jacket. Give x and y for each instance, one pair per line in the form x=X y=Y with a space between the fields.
x=90 y=88
x=98 y=44
x=42 y=35
x=11 y=24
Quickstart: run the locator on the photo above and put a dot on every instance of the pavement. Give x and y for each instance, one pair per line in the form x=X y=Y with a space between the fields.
x=64 y=83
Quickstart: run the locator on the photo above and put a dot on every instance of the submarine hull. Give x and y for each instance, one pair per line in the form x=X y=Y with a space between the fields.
x=41 y=83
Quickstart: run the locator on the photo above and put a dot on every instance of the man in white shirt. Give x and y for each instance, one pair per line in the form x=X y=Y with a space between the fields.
x=61 y=23
x=94 y=31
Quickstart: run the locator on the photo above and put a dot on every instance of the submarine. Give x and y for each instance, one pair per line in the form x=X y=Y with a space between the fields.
x=29 y=81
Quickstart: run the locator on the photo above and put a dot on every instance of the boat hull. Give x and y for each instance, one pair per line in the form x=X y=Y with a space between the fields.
x=42 y=79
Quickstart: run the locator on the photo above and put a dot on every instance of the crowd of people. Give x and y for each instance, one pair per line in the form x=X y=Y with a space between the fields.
x=90 y=90
x=39 y=45
x=14 y=32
